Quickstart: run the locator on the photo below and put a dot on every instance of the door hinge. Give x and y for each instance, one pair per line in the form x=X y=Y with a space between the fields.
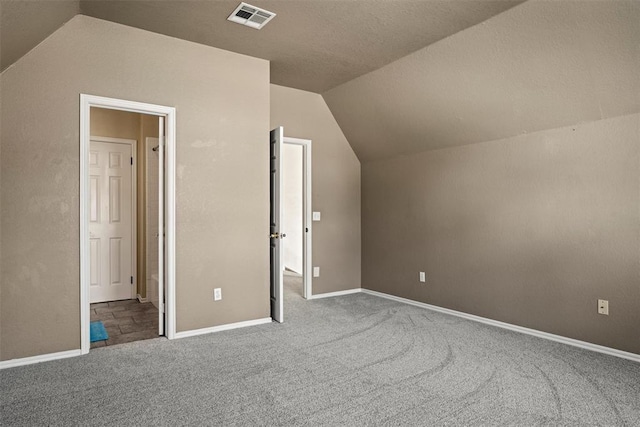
x=132 y=161
x=132 y=280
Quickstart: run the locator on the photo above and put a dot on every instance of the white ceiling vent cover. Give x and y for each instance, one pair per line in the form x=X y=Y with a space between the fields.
x=251 y=16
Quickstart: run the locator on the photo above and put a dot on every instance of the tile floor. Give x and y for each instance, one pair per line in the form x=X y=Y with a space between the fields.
x=125 y=321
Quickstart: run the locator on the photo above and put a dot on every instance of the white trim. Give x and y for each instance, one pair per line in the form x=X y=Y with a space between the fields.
x=307 y=258
x=540 y=334
x=162 y=128
x=134 y=203
x=149 y=143
x=86 y=102
x=170 y=223
x=140 y=299
x=227 y=327
x=337 y=293
x=5 y=364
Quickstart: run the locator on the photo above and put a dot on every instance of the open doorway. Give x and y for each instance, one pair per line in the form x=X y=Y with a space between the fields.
x=293 y=217
x=127 y=213
x=123 y=226
x=290 y=216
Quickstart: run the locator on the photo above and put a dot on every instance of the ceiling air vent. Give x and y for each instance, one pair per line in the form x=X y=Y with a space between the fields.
x=251 y=16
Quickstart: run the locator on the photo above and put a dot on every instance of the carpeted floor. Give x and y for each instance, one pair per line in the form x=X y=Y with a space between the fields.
x=351 y=360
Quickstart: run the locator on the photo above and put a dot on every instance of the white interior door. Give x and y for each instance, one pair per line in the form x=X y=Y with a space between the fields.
x=275 y=237
x=110 y=221
x=161 y=186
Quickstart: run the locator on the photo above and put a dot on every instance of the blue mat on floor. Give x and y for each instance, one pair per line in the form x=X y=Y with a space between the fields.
x=97 y=332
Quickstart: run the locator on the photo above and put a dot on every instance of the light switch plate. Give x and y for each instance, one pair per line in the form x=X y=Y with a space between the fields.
x=316 y=216
x=316 y=271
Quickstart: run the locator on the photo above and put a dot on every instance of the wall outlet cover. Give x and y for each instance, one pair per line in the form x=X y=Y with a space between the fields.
x=316 y=271
x=316 y=216
x=603 y=307
x=423 y=277
x=217 y=294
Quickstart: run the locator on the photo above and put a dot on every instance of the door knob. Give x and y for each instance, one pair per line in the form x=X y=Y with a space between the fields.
x=277 y=235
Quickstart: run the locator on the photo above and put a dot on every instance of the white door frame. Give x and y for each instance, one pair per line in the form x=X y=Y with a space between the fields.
x=86 y=102
x=149 y=142
x=134 y=208
x=307 y=277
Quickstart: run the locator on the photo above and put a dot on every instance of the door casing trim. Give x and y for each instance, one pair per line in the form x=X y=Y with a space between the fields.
x=86 y=102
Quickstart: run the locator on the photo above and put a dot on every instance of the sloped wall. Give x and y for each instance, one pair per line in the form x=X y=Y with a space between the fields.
x=540 y=65
x=222 y=181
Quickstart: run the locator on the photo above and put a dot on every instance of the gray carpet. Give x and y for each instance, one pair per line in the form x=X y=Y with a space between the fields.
x=351 y=360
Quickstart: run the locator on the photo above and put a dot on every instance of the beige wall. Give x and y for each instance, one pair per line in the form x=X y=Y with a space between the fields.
x=127 y=125
x=222 y=176
x=26 y=23
x=115 y=123
x=530 y=230
x=336 y=186
x=540 y=65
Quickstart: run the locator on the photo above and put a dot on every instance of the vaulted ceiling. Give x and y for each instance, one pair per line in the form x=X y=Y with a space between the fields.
x=313 y=45
x=24 y=24
x=403 y=76
x=541 y=65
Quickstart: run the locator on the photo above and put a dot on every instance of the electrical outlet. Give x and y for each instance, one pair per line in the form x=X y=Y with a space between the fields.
x=217 y=294
x=603 y=306
x=423 y=277
x=316 y=271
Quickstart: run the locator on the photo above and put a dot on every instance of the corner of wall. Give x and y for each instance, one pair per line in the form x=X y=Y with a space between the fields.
x=339 y=127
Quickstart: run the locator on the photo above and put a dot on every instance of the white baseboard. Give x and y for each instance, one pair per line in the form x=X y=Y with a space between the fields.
x=194 y=332
x=337 y=293
x=37 y=359
x=140 y=299
x=545 y=335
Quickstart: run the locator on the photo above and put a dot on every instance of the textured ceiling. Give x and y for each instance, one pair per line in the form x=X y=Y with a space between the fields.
x=312 y=44
x=486 y=72
x=24 y=24
x=540 y=65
